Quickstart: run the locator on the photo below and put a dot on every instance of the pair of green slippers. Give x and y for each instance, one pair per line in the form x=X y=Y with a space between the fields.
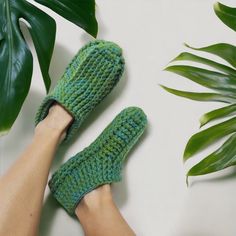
x=88 y=79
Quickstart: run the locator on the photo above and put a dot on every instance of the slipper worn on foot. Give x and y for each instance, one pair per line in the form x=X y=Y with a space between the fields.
x=100 y=163
x=91 y=75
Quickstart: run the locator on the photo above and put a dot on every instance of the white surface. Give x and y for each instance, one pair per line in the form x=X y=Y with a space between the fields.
x=153 y=196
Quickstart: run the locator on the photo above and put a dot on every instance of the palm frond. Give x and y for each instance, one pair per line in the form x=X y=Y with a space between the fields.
x=221 y=80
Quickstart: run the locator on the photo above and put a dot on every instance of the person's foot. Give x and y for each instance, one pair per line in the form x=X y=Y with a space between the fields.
x=100 y=163
x=57 y=121
x=89 y=78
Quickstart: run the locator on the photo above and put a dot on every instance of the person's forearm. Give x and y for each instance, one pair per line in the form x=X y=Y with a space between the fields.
x=99 y=215
x=22 y=187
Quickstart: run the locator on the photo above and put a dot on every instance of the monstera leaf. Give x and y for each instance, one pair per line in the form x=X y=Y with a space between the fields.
x=221 y=80
x=16 y=62
x=80 y=12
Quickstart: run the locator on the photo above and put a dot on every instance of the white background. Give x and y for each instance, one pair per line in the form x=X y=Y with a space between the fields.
x=153 y=195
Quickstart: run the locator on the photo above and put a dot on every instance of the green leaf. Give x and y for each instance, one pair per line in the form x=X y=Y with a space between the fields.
x=217 y=114
x=222 y=158
x=223 y=80
x=43 y=32
x=226 y=14
x=203 y=139
x=80 y=12
x=16 y=59
x=206 y=78
x=185 y=56
x=223 y=50
x=203 y=97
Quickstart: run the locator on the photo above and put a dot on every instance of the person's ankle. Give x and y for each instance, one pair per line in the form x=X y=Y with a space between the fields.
x=56 y=122
x=95 y=200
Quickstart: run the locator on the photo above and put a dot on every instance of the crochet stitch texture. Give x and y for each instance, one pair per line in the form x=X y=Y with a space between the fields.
x=101 y=162
x=90 y=77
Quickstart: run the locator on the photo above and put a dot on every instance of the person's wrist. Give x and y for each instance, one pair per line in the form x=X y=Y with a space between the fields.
x=45 y=129
x=55 y=123
x=94 y=201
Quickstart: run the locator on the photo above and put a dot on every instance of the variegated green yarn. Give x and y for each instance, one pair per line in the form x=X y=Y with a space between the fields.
x=90 y=77
x=101 y=162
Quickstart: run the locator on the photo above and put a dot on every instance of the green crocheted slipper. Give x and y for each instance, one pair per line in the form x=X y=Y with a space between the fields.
x=101 y=162
x=91 y=76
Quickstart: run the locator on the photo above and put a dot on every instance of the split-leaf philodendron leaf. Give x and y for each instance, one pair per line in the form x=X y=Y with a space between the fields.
x=221 y=80
x=80 y=12
x=16 y=62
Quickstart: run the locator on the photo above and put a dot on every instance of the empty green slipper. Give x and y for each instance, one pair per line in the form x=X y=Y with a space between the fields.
x=91 y=75
x=101 y=162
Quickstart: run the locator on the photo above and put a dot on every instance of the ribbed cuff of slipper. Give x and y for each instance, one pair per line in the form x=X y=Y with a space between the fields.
x=89 y=78
x=83 y=179
x=101 y=162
